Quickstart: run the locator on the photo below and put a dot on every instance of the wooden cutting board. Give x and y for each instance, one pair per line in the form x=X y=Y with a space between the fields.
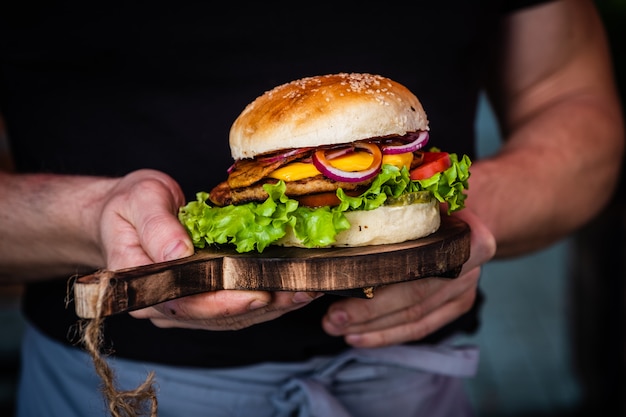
x=345 y=271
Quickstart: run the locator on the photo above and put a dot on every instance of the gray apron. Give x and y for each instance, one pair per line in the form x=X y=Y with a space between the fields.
x=398 y=381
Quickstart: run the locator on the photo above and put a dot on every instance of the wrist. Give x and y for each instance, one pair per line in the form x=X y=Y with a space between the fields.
x=50 y=224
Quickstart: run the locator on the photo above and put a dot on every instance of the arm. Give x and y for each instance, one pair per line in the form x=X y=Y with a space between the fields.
x=58 y=226
x=62 y=225
x=553 y=92
x=554 y=96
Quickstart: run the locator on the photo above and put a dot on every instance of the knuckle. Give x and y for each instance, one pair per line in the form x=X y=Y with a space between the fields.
x=415 y=312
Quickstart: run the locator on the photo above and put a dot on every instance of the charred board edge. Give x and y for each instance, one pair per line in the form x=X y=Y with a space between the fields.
x=344 y=271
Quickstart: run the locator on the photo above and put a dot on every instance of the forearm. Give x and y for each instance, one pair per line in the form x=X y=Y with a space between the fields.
x=552 y=90
x=49 y=225
x=555 y=172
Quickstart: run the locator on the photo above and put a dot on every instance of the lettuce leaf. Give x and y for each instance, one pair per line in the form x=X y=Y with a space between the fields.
x=448 y=186
x=254 y=226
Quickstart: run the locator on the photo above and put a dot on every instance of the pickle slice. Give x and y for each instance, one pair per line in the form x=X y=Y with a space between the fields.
x=409 y=198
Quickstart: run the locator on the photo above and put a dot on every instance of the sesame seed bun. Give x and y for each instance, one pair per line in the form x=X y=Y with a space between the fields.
x=325 y=110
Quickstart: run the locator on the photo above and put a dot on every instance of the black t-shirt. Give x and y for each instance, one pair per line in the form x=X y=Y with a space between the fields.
x=105 y=90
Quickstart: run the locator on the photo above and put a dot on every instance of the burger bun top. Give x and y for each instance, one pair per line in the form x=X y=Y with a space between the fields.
x=325 y=110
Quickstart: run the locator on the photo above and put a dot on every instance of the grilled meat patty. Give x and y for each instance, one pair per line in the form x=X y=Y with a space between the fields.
x=223 y=194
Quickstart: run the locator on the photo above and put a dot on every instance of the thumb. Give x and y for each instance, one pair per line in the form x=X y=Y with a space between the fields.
x=483 y=242
x=139 y=223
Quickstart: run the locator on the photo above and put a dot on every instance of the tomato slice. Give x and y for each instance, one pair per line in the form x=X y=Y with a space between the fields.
x=323 y=199
x=319 y=199
x=433 y=163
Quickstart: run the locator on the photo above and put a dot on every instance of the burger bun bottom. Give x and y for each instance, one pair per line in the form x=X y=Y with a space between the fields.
x=384 y=225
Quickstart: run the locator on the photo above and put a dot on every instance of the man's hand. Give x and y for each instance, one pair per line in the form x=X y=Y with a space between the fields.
x=138 y=226
x=224 y=310
x=411 y=310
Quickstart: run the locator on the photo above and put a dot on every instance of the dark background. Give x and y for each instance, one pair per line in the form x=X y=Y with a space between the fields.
x=598 y=272
x=595 y=278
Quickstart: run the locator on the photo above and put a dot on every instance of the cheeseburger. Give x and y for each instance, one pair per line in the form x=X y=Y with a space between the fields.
x=332 y=160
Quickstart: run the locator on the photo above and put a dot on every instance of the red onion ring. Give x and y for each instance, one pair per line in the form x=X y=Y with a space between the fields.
x=280 y=156
x=276 y=157
x=417 y=141
x=322 y=163
x=340 y=151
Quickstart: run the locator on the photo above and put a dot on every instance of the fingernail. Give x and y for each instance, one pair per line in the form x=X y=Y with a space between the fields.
x=304 y=297
x=175 y=250
x=339 y=317
x=354 y=339
x=256 y=304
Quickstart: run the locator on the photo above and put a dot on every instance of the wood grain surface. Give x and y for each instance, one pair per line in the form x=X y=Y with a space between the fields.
x=346 y=271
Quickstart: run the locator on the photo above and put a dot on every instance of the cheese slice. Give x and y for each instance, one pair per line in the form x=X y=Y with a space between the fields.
x=400 y=160
x=295 y=171
x=357 y=161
